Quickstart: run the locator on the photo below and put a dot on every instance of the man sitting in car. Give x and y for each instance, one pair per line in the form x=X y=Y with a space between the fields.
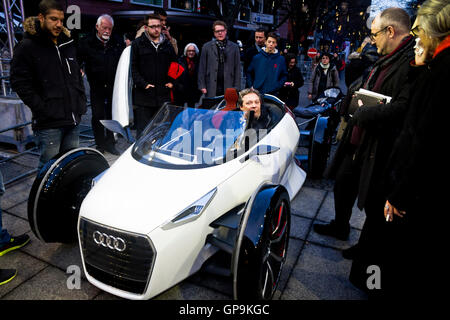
x=250 y=100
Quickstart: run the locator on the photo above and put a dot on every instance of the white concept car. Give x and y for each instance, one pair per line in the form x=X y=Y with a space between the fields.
x=192 y=185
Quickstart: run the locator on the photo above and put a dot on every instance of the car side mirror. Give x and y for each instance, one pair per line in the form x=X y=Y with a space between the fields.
x=115 y=126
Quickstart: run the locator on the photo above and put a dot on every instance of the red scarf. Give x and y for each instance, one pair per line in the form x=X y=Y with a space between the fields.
x=190 y=66
x=442 y=46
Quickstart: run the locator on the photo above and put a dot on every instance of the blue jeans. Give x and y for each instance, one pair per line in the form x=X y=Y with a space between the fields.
x=53 y=141
x=4 y=235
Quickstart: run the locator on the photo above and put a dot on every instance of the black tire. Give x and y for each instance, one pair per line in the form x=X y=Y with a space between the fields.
x=260 y=266
x=58 y=191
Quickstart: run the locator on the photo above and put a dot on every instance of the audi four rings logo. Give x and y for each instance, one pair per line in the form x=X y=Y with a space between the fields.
x=107 y=241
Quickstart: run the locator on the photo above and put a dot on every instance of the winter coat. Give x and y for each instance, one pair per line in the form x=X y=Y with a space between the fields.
x=150 y=65
x=100 y=62
x=209 y=66
x=249 y=53
x=267 y=72
x=380 y=123
x=288 y=94
x=47 y=77
x=418 y=158
x=185 y=87
x=358 y=67
x=332 y=79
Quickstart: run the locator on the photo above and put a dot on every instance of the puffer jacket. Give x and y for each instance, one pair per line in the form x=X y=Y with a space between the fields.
x=47 y=77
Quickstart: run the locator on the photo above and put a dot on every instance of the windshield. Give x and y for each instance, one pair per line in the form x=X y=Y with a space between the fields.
x=180 y=136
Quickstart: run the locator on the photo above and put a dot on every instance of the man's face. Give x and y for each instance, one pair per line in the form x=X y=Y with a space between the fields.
x=154 y=28
x=220 y=32
x=379 y=37
x=52 y=22
x=325 y=60
x=163 y=21
x=271 y=44
x=251 y=102
x=292 y=63
x=260 y=39
x=104 y=29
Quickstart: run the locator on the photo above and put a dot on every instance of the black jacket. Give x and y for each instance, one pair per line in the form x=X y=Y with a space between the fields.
x=418 y=159
x=47 y=77
x=185 y=87
x=248 y=55
x=150 y=66
x=290 y=95
x=100 y=61
x=357 y=67
x=381 y=124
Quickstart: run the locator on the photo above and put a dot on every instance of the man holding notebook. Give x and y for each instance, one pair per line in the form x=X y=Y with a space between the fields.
x=361 y=157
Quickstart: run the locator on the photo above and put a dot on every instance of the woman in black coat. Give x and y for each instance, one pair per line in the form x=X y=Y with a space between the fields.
x=289 y=92
x=185 y=87
x=416 y=198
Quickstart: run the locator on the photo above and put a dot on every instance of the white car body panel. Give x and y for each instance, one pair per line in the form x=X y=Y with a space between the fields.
x=143 y=199
x=121 y=94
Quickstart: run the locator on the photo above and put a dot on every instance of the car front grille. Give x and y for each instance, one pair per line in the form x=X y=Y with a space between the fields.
x=128 y=269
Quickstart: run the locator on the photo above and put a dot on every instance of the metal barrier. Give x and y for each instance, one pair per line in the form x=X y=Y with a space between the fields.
x=34 y=151
x=306 y=69
x=5 y=90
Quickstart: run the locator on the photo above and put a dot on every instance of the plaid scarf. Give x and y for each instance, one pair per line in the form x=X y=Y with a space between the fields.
x=221 y=45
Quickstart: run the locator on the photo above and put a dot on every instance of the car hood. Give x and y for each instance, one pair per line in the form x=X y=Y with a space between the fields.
x=139 y=198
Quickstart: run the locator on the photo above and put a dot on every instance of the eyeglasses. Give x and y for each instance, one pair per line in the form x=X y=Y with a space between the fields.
x=374 y=35
x=415 y=31
x=190 y=50
x=156 y=26
x=220 y=31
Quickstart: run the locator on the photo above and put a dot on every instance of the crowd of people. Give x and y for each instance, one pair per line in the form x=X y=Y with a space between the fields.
x=388 y=154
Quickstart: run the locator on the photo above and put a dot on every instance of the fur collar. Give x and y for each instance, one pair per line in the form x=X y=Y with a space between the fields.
x=32 y=27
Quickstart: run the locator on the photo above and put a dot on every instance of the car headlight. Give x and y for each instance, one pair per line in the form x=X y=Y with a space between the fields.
x=192 y=212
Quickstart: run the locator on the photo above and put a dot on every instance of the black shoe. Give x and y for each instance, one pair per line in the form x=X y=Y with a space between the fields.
x=14 y=243
x=352 y=252
x=332 y=230
x=6 y=275
x=112 y=150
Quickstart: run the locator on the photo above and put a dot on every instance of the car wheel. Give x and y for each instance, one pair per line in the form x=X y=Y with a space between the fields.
x=58 y=191
x=262 y=251
x=273 y=250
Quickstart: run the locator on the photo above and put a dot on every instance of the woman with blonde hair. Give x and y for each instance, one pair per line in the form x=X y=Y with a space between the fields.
x=415 y=201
